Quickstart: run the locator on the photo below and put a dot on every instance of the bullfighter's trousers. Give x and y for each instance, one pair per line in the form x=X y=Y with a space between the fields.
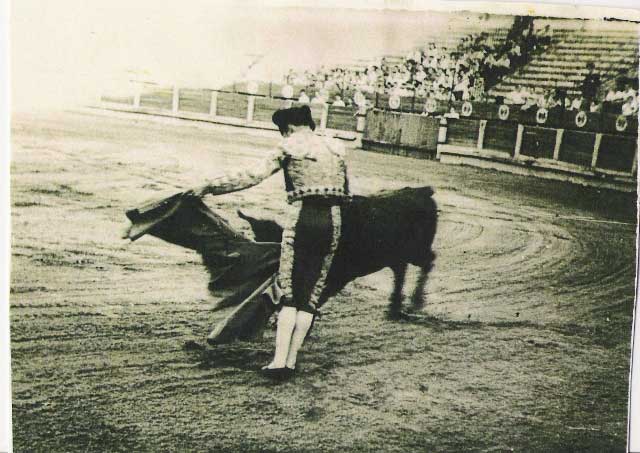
x=309 y=242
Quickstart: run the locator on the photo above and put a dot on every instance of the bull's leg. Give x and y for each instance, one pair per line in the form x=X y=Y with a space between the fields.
x=395 y=302
x=417 y=298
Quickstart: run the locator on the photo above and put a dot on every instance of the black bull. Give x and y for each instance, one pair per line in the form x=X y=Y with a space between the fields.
x=390 y=229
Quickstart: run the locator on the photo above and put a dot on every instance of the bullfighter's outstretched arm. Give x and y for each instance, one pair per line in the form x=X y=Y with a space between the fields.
x=243 y=179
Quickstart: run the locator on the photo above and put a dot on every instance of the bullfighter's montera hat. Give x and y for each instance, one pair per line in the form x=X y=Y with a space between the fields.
x=295 y=116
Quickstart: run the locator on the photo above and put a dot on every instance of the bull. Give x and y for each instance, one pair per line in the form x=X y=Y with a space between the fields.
x=390 y=229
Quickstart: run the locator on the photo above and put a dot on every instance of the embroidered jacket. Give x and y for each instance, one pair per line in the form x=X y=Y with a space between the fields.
x=313 y=165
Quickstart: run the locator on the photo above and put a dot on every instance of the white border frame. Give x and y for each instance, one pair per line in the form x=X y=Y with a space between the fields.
x=591 y=9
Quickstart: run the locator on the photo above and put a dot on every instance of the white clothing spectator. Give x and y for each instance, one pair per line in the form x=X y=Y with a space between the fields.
x=576 y=104
x=491 y=61
x=630 y=107
x=303 y=98
x=613 y=95
x=338 y=102
x=452 y=114
x=504 y=62
x=518 y=96
x=420 y=75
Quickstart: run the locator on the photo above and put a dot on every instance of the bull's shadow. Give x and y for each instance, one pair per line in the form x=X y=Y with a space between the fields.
x=389 y=229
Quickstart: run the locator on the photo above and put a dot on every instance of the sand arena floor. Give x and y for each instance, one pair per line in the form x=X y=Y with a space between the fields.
x=523 y=343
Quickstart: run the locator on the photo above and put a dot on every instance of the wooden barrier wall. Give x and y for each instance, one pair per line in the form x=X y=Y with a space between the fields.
x=538 y=142
x=500 y=135
x=342 y=118
x=233 y=105
x=158 y=98
x=597 y=145
x=197 y=101
x=264 y=108
x=616 y=152
x=577 y=148
x=401 y=133
x=463 y=132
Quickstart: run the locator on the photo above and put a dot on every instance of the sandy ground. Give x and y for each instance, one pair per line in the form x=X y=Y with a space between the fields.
x=523 y=344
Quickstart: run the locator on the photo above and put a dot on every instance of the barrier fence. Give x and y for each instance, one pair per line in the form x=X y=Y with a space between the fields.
x=595 y=151
x=601 y=142
x=236 y=105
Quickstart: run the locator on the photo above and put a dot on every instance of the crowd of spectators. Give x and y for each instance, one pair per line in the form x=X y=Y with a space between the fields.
x=465 y=73
x=623 y=99
x=462 y=73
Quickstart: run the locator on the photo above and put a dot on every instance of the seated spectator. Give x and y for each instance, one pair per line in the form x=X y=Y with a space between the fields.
x=518 y=96
x=630 y=106
x=540 y=98
x=318 y=99
x=628 y=92
x=553 y=101
x=452 y=114
x=420 y=75
x=504 y=62
x=613 y=95
x=338 y=102
x=530 y=101
x=577 y=103
x=515 y=51
x=303 y=98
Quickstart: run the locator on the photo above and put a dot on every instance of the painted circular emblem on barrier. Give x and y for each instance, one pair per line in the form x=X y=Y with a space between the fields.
x=542 y=115
x=394 y=102
x=467 y=108
x=431 y=105
x=287 y=91
x=252 y=87
x=581 y=118
x=359 y=99
x=621 y=123
x=503 y=112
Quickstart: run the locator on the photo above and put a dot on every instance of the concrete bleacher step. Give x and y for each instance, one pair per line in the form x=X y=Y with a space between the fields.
x=593 y=53
x=576 y=66
x=528 y=77
x=540 y=83
x=630 y=43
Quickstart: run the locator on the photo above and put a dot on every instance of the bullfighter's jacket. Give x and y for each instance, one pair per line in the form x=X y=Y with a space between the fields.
x=313 y=165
